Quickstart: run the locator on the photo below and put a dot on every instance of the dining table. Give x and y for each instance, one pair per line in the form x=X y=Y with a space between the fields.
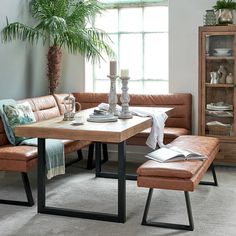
x=107 y=132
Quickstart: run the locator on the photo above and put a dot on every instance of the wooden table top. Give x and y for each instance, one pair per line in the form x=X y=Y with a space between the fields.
x=114 y=132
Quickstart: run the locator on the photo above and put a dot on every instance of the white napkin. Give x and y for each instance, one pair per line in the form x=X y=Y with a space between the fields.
x=158 y=123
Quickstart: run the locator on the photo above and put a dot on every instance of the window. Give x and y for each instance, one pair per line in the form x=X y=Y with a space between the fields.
x=140 y=40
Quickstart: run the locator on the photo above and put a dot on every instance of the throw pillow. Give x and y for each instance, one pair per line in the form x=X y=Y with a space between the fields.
x=19 y=114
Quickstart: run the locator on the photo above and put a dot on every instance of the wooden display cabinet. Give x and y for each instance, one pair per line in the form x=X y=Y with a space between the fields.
x=217 y=97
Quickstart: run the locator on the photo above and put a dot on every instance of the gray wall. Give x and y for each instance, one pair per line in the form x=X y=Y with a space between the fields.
x=185 y=17
x=23 y=67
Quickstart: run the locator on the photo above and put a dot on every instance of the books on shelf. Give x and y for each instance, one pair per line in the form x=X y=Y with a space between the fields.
x=173 y=153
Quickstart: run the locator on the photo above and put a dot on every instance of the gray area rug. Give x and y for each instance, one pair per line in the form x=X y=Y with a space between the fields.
x=214 y=208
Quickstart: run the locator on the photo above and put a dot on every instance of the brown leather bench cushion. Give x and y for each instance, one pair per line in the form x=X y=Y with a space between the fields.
x=23 y=158
x=170 y=133
x=182 y=175
x=180 y=169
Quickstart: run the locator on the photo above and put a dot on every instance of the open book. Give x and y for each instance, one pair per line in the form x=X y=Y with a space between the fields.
x=172 y=153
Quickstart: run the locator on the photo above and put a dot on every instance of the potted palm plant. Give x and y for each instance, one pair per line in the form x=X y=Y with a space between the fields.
x=62 y=24
x=225 y=11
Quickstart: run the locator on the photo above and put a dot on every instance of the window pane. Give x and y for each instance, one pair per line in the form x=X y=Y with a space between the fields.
x=140 y=36
x=156 y=87
x=156 y=56
x=131 y=20
x=131 y=54
x=135 y=87
x=102 y=70
x=108 y=21
x=102 y=86
x=156 y=19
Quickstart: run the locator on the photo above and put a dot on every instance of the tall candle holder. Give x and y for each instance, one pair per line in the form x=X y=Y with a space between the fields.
x=112 y=97
x=125 y=113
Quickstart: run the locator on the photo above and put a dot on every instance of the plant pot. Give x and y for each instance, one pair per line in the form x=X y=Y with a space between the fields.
x=225 y=16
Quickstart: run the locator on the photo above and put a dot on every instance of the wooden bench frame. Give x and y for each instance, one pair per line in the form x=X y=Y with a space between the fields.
x=188 y=205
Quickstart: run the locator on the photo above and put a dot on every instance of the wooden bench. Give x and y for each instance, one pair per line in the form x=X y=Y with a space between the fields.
x=183 y=175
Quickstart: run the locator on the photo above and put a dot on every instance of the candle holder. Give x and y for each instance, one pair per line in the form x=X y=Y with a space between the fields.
x=125 y=113
x=112 y=97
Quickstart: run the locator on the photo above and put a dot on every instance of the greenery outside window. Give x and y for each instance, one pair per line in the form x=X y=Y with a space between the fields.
x=139 y=30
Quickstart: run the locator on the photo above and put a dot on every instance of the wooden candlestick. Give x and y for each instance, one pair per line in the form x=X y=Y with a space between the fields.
x=125 y=113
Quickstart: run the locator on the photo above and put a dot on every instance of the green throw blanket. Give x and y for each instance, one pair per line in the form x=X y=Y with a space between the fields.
x=55 y=157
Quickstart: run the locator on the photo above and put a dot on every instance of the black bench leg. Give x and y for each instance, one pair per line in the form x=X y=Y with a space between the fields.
x=80 y=155
x=90 y=161
x=168 y=225
x=30 y=200
x=215 y=183
x=90 y=164
x=105 y=153
x=79 y=158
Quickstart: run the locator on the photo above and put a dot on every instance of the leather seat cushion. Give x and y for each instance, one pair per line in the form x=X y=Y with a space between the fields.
x=178 y=169
x=10 y=155
x=170 y=133
x=182 y=175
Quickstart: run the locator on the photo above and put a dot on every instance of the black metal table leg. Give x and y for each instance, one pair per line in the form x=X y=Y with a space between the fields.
x=98 y=163
x=41 y=174
x=42 y=208
x=121 y=182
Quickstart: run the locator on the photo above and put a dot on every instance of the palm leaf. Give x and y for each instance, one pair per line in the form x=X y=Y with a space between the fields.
x=20 y=31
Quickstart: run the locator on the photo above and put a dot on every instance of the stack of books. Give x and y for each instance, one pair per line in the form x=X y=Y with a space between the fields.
x=101 y=116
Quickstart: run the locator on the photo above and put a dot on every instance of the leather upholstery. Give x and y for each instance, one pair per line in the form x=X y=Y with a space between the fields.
x=170 y=133
x=59 y=99
x=178 y=122
x=43 y=107
x=182 y=175
x=15 y=158
x=23 y=158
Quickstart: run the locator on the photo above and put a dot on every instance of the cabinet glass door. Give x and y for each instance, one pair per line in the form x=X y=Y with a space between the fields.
x=219 y=83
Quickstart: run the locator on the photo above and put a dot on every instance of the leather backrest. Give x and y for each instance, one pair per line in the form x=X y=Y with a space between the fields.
x=44 y=107
x=59 y=100
x=180 y=117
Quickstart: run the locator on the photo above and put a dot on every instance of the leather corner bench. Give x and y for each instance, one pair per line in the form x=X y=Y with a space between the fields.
x=181 y=175
x=178 y=123
x=179 y=120
x=24 y=158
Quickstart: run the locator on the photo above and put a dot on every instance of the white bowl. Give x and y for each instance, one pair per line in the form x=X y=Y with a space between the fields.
x=222 y=51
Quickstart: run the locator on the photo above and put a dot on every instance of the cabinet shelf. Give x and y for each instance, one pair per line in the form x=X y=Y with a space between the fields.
x=220 y=58
x=209 y=85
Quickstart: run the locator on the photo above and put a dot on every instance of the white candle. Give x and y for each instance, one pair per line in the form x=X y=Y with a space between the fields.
x=113 y=67
x=124 y=73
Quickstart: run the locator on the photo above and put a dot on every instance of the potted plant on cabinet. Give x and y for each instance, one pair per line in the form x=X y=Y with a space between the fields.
x=62 y=23
x=225 y=11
